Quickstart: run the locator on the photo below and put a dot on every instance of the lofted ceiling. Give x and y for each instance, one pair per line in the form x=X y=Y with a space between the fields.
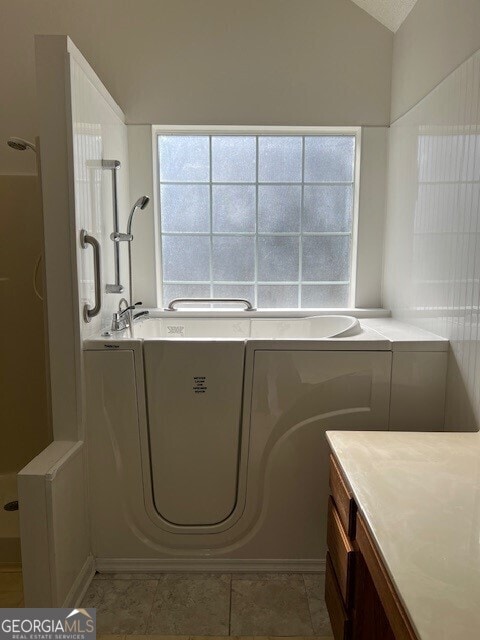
x=390 y=13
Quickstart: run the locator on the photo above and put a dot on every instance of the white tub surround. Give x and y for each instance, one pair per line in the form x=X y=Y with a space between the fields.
x=80 y=126
x=204 y=445
x=419 y=494
x=56 y=558
x=431 y=275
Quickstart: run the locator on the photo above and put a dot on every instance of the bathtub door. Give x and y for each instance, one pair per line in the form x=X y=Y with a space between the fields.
x=194 y=398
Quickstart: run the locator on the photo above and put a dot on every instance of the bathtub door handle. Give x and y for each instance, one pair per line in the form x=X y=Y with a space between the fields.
x=86 y=239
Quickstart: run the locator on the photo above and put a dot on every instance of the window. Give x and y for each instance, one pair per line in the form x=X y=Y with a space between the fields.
x=265 y=217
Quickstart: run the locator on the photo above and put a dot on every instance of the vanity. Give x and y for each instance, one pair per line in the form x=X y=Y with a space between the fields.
x=403 y=536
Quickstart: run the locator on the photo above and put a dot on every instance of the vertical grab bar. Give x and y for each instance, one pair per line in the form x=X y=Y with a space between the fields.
x=91 y=312
x=113 y=165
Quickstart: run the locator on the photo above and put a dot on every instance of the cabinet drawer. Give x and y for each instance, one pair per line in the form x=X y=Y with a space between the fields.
x=336 y=609
x=341 y=553
x=343 y=499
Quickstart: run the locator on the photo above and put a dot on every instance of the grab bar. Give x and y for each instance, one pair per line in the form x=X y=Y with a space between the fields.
x=173 y=303
x=113 y=166
x=85 y=239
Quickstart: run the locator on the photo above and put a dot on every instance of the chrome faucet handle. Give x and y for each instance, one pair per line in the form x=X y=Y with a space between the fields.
x=119 y=321
x=123 y=301
x=141 y=314
x=122 y=319
x=128 y=307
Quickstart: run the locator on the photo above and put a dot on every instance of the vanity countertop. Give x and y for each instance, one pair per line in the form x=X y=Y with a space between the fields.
x=420 y=496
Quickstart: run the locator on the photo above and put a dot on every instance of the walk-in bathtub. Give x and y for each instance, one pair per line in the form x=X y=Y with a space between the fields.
x=206 y=437
x=314 y=327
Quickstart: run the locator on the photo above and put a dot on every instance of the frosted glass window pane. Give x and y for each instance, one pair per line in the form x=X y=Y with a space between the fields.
x=233 y=258
x=233 y=159
x=184 y=158
x=329 y=158
x=326 y=258
x=233 y=208
x=277 y=258
x=327 y=208
x=279 y=159
x=324 y=295
x=276 y=296
x=186 y=257
x=185 y=207
x=245 y=291
x=279 y=208
x=172 y=291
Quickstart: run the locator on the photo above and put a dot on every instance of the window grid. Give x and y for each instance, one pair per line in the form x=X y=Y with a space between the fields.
x=252 y=282
x=255 y=287
x=211 y=211
x=256 y=234
x=300 y=243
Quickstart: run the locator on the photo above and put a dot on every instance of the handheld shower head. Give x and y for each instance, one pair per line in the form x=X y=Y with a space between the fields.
x=141 y=204
x=19 y=144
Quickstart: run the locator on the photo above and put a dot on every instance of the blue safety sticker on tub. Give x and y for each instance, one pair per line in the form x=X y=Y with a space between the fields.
x=48 y=624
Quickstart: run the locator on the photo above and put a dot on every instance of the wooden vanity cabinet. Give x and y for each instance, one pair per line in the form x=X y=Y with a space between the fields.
x=360 y=598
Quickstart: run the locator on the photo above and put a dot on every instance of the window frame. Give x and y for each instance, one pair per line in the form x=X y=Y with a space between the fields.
x=159 y=130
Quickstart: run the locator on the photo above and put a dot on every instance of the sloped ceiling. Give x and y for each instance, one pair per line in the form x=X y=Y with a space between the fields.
x=390 y=13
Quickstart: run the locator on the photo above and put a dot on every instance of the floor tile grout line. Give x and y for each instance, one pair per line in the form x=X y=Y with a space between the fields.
x=230 y=607
x=308 y=604
x=147 y=626
x=102 y=598
x=231 y=583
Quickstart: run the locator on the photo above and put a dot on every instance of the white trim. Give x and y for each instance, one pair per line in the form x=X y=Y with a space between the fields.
x=156 y=218
x=92 y=76
x=434 y=89
x=356 y=209
x=81 y=584
x=211 y=129
x=211 y=565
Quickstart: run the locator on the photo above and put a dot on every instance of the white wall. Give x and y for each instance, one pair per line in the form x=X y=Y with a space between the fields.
x=79 y=123
x=144 y=267
x=432 y=249
x=436 y=37
x=371 y=215
x=254 y=62
x=98 y=132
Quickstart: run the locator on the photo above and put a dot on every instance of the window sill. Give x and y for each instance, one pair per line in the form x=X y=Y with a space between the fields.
x=268 y=313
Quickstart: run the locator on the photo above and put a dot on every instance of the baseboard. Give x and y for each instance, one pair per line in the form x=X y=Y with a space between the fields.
x=81 y=584
x=212 y=565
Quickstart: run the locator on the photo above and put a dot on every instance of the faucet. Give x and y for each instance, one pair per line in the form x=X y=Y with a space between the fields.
x=124 y=318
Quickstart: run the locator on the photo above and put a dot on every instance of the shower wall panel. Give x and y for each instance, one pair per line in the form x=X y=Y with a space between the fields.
x=432 y=252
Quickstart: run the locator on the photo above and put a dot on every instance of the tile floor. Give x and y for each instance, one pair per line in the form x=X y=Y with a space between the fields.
x=11 y=586
x=175 y=604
